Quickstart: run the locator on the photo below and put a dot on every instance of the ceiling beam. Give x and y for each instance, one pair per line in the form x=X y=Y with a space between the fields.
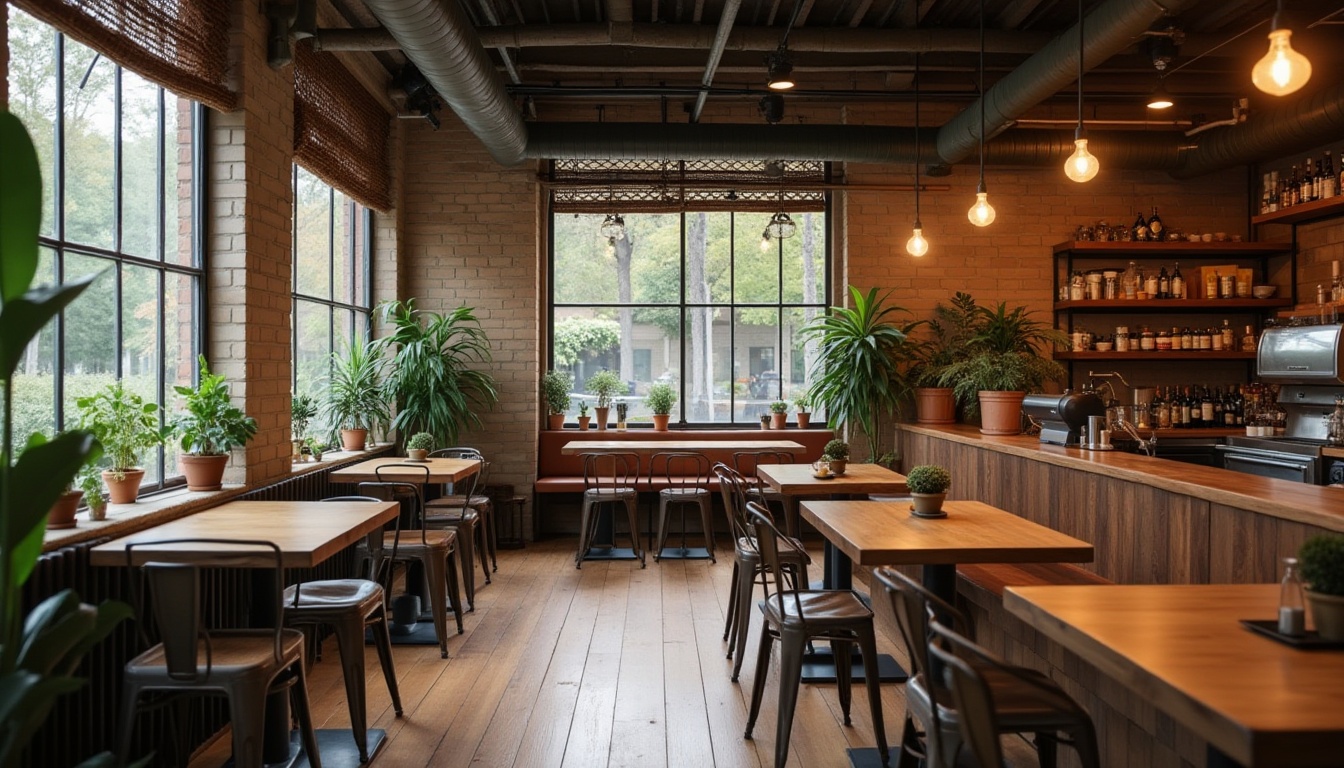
x=1015 y=13
x=815 y=39
x=726 y=20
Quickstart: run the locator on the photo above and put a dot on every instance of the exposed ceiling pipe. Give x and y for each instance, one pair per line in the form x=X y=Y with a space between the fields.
x=1111 y=28
x=1309 y=121
x=438 y=38
x=375 y=39
x=726 y=20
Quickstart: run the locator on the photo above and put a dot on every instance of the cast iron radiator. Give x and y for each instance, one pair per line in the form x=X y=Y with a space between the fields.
x=84 y=723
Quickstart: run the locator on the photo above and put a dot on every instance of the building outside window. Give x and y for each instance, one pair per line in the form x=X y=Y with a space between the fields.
x=121 y=178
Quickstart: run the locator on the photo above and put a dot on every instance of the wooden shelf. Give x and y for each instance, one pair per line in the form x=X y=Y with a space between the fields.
x=1317 y=209
x=1171 y=305
x=1235 y=354
x=1172 y=250
x=1310 y=310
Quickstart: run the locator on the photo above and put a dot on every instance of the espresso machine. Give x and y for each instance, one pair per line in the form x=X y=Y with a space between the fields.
x=1064 y=418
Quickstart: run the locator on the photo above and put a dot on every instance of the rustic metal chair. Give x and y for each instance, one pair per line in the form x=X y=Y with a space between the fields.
x=609 y=478
x=747 y=463
x=685 y=480
x=793 y=616
x=456 y=511
x=244 y=665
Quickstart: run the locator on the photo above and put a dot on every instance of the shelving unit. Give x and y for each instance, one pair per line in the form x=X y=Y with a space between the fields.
x=1113 y=306
x=1235 y=354
x=1317 y=209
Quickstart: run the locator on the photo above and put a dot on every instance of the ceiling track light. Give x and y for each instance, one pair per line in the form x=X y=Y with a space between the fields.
x=917 y=246
x=1160 y=99
x=982 y=214
x=1282 y=70
x=1082 y=166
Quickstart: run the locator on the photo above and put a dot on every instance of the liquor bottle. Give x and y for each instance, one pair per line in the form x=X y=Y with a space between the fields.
x=1187 y=339
x=1206 y=410
x=1264 y=193
x=1329 y=181
x=1318 y=181
x=1230 y=408
x=1161 y=414
x=1292 y=188
x=1304 y=193
x=1273 y=191
x=1336 y=282
x=1163 y=284
x=1177 y=280
x=1156 y=230
x=1174 y=408
x=1141 y=233
x=1187 y=409
x=1228 y=341
x=1217 y=406
x=1216 y=340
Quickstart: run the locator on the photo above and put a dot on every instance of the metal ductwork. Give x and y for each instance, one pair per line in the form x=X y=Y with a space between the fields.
x=1110 y=28
x=439 y=39
x=1307 y=122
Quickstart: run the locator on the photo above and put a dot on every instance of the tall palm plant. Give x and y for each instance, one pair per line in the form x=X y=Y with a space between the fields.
x=858 y=375
x=355 y=397
x=430 y=376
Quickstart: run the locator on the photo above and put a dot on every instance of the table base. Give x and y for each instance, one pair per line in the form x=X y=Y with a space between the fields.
x=610 y=553
x=684 y=553
x=819 y=667
x=336 y=746
x=421 y=634
x=860 y=757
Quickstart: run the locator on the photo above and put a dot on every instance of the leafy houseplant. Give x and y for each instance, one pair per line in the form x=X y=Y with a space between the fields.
x=316 y=448
x=949 y=329
x=355 y=400
x=606 y=385
x=779 y=414
x=804 y=416
x=431 y=376
x=125 y=425
x=1323 y=569
x=661 y=399
x=419 y=446
x=836 y=452
x=302 y=411
x=40 y=652
x=555 y=386
x=1001 y=365
x=584 y=418
x=91 y=485
x=857 y=376
x=928 y=486
x=210 y=427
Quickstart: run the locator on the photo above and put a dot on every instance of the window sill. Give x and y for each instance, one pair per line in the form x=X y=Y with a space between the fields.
x=125 y=519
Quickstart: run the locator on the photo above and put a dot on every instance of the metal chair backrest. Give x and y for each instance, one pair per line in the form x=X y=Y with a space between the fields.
x=375 y=544
x=746 y=462
x=975 y=703
x=914 y=606
x=769 y=541
x=404 y=492
x=733 y=488
x=680 y=471
x=610 y=472
x=470 y=483
x=175 y=597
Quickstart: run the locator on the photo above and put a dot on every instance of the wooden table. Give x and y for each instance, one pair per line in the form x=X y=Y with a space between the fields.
x=650 y=447
x=1180 y=647
x=793 y=481
x=307 y=533
x=441 y=471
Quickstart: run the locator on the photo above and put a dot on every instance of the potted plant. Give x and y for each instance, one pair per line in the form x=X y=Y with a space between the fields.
x=316 y=448
x=606 y=385
x=555 y=386
x=804 y=416
x=355 y=400
x=660 y=400
x=836 y=453
x=210 y=427
x=1000 y=365
x=62 y=513
x=419 y=446
x=302 y=411
x=584 y=418
x=779 y=414
x=125 y=425
x=951 y=326
x=928 y=487
x=91 y=484
x=1323 y=570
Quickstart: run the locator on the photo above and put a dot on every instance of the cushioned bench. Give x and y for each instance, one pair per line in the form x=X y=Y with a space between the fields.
x=993 y=578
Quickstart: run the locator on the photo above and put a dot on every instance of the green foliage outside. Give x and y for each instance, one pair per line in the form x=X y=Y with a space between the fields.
x=1322 y=559
x=576 y=336
x=928 y=478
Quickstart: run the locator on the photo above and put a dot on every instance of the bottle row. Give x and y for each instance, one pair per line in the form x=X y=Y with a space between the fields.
x=1227 y=282
x=1141 y=231
x=1201 y=407
x=1177 y=339
x=1311 y=182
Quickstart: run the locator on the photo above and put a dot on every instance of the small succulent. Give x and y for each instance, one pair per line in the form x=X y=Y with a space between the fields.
x=802 y=403
x=928 y=478
x=420 y=441
x=836 y=450
x=779 y=406
x=583 y=409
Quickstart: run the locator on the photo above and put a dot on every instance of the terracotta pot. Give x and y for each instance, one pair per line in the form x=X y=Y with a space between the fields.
x=779 y=420
x=1327 y=613
x=935 y=405
x=417 y=454
x=125 y=490
x=601 y=415
x=555 y=421
x=1001 y=413
x=804 y=419
x=838 y=466
x=928 y=504
x=62 y=514
x=204 y=473
x=354 y=439
x=583 y=423
x=660 y=421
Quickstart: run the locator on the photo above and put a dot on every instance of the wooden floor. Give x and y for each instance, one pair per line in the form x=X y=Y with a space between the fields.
x=609 y=665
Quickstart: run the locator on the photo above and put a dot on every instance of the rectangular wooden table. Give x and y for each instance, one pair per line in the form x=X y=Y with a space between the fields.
x=793 y=481
x=1181 y=648
x=307 y=533
x=394 y=469
x=650 y=447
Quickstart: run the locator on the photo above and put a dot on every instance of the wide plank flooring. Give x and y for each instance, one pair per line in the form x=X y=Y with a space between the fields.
x=601 y=667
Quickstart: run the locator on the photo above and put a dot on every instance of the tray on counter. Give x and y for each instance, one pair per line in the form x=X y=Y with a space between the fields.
x=1310 y=641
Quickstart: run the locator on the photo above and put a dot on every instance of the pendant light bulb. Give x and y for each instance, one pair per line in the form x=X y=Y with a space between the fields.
x=917 y=246
x=1282 y=70
x=1082 y=165
x=982 y=213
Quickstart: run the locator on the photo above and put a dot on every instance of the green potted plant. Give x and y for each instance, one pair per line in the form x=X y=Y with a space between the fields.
x=1323 y=571
x=661 y=399
x=779 y=414
x=419 y=446
x=555 y=386
x=803 y=403
x=928 y=487
x=62 y=513
x=606 y=385
x=316 y=448
x=1000 y=364
x=302 y=411
x=91 y=484
x=210 y=427
x=355 y=400
x=584 y=418
x=836 y=453
x=125 y=425
x=952 y=324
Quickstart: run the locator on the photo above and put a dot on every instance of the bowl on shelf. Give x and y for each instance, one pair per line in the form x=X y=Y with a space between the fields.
x=1264 y=291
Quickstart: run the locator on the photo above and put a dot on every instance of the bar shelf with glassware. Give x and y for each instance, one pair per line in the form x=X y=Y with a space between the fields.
x=1184 y=354
x=1170 y=305
x=1169 y=250
x=1316 y=209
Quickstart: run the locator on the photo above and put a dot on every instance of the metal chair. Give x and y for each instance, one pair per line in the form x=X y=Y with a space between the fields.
x=747 y=464
x=748 y=567
x=458 y=513
x=685 y=477
x=609 y=478
x=793 y=616
x=1031 y=702
x=349 y=607
x=244 y=665
x=480 y=500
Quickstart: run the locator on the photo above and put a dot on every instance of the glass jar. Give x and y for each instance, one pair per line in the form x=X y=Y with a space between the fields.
x=1077 y=286
x=1163 y=341
x=1129 y=281
x=1147 y=341
x=1121 y=338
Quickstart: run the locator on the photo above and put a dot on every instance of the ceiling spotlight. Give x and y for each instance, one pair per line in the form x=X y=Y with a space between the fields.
x=1282 y=70
x=1160 y=99
x=779 y=70
x=613 y=227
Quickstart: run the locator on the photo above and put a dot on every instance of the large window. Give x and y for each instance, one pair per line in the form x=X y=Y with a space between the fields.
x=693 y=299
x=331 y=277
x=121 y=192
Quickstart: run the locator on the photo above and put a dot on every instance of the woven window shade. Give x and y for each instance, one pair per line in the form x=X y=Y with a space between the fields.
x=183 y=45
x=340 y=131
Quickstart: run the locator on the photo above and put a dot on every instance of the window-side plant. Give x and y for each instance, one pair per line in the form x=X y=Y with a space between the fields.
x=431 y=376
x=126 y=426
x=661 y=399
x=419 y=445
x=948 y=331
x=779 y=414
x=355 y=399
x=836 y=453
x=606 y=385
x=584 y=418
x=928 y=487
x=302 y=411
x=1323 y=570
x=210 y=427
x=91 y=484
x=804 y=405
x=555 y=387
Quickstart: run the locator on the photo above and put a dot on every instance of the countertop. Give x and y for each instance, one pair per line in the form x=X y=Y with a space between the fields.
x=1310 y=504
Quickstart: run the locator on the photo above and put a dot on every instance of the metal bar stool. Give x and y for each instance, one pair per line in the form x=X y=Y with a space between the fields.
x=685 y=477
x=609 y=478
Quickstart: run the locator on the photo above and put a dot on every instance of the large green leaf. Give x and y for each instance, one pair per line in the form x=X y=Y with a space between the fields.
x=110 y=614
x=53 y=629
x=20 y=208
x=22 y=318
x=40 y=475
x=25 y=701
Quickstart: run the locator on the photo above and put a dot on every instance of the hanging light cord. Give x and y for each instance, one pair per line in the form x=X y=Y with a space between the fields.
x=917 y=226
x=1079 y=133
x=982 y=96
